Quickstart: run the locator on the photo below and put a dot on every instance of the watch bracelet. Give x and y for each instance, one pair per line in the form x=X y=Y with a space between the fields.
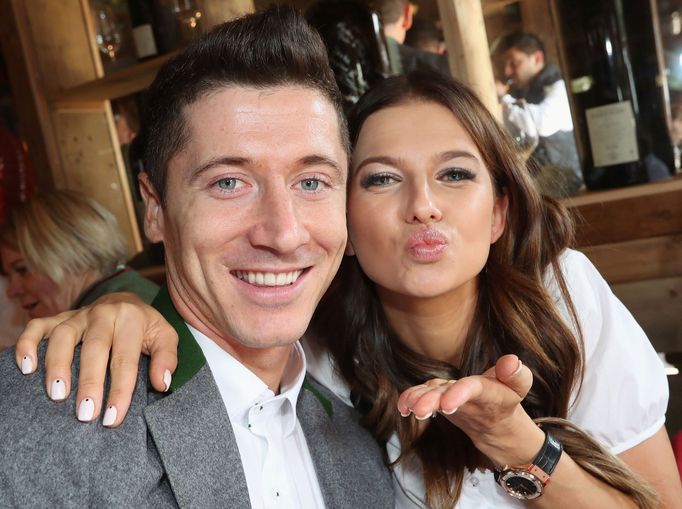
x=546 y=459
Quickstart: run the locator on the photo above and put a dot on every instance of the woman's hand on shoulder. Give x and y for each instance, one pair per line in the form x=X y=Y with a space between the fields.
x=486 y=407
x=114 y=330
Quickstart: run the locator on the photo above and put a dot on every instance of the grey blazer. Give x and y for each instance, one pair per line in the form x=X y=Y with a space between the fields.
x=172 y=450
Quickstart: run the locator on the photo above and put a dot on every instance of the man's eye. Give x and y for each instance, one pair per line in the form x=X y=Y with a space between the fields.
x=228 y=184
x=310 y=185
x=378 y=180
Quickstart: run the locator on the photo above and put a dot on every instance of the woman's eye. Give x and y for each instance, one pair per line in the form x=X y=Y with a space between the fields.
x=456 y=175
x=378 y=180
x=20 y=270
x=229 y=184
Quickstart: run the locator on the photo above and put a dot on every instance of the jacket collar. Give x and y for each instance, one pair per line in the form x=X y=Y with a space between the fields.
x=196 y=443
x=190 y=357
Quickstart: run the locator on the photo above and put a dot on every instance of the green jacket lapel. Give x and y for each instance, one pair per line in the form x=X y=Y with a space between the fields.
x=190 y=357
x=192 y=431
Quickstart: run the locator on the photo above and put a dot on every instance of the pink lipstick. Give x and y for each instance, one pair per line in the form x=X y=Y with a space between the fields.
x=427 y=246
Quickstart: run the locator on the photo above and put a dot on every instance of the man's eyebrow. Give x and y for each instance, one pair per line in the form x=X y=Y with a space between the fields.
x=317 y=159
x=218 y=161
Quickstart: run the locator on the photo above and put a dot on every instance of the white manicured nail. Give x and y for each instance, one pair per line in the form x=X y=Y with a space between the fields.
x=167 y=379
x=109 y=416
x=58 y=390
x=405 y=415
x=448 y=412
x=86 y=410
x=26 y=365
x=423 y=417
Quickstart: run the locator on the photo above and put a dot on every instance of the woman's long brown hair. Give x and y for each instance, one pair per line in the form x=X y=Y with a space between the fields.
x=515 y=314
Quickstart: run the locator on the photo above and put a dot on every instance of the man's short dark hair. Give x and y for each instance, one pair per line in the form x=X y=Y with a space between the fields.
x=423 y=33
x=273 y=48
x=389 y=11
x=522 y=41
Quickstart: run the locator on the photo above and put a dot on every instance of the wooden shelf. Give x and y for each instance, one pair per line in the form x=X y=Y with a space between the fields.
x=115 y=85
x=630 y=213
x=653 y=188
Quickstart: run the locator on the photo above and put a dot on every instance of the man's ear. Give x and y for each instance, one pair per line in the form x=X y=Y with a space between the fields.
x=407 y=17
x=539 y=58
x=499 y=216
x=153 y=210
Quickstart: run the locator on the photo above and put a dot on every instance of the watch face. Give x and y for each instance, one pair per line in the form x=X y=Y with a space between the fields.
x=520 y=484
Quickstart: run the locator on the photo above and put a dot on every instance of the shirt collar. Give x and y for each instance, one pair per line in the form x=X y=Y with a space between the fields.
x=242 y=390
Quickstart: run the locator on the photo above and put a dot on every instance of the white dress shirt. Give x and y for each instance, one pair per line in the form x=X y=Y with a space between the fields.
x=277 y=464
x=552 y=115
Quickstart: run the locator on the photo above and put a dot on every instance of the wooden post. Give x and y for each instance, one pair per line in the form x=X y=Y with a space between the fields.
x=468 y=51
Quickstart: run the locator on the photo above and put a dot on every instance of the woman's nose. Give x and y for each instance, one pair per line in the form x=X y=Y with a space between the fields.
x=422 y=206
x=14 y=287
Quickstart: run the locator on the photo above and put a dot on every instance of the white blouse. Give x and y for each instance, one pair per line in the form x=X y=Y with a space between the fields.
x=622 y=401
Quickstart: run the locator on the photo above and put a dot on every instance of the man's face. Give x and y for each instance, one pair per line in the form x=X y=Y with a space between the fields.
x=254 y=218
x=520 y=67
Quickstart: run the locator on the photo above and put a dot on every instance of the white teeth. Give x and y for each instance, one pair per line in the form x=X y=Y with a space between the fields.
x=269 y=278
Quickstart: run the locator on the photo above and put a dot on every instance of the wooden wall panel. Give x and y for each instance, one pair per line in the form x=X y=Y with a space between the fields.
x=89 y=149
x=63 y=47
x=215 y=12
x=637 y=260
x=468 y=51
x=620 y=215
x=657 y=306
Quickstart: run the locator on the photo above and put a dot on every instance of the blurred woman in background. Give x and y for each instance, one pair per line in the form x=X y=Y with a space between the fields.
x=62 y=250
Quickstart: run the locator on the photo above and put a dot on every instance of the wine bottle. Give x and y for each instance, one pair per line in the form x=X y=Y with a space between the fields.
x=610 y=49
x=165 y=26
x=143 y=28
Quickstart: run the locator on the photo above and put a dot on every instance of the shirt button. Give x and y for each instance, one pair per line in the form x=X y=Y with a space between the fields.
x=474 y=481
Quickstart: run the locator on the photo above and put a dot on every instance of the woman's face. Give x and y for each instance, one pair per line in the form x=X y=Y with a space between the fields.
x=422 y=211
x=36 y=293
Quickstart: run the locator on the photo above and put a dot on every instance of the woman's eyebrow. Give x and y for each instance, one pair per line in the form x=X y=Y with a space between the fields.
x=388 y=161
x=455 y=154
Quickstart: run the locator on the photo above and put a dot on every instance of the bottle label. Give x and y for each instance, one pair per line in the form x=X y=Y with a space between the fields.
x=144 y=41
x=613 y=134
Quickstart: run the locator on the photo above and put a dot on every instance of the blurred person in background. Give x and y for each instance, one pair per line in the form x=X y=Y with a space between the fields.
x=538 y=88
x=17 y=183
x=62 y=250
x=357 y=52
x=426 y=36
x=397 y=18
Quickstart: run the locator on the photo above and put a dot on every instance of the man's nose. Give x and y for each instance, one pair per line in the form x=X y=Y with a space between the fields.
x=421 y=205
x=280 y=226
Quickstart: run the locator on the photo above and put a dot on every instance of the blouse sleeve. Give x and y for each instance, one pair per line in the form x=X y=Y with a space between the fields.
x=624 y=394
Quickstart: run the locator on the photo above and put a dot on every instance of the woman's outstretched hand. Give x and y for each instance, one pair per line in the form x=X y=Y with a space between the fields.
x=486 y=407
x=114 y=331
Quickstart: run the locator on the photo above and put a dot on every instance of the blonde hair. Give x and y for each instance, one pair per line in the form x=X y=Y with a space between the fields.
x=64 y=233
